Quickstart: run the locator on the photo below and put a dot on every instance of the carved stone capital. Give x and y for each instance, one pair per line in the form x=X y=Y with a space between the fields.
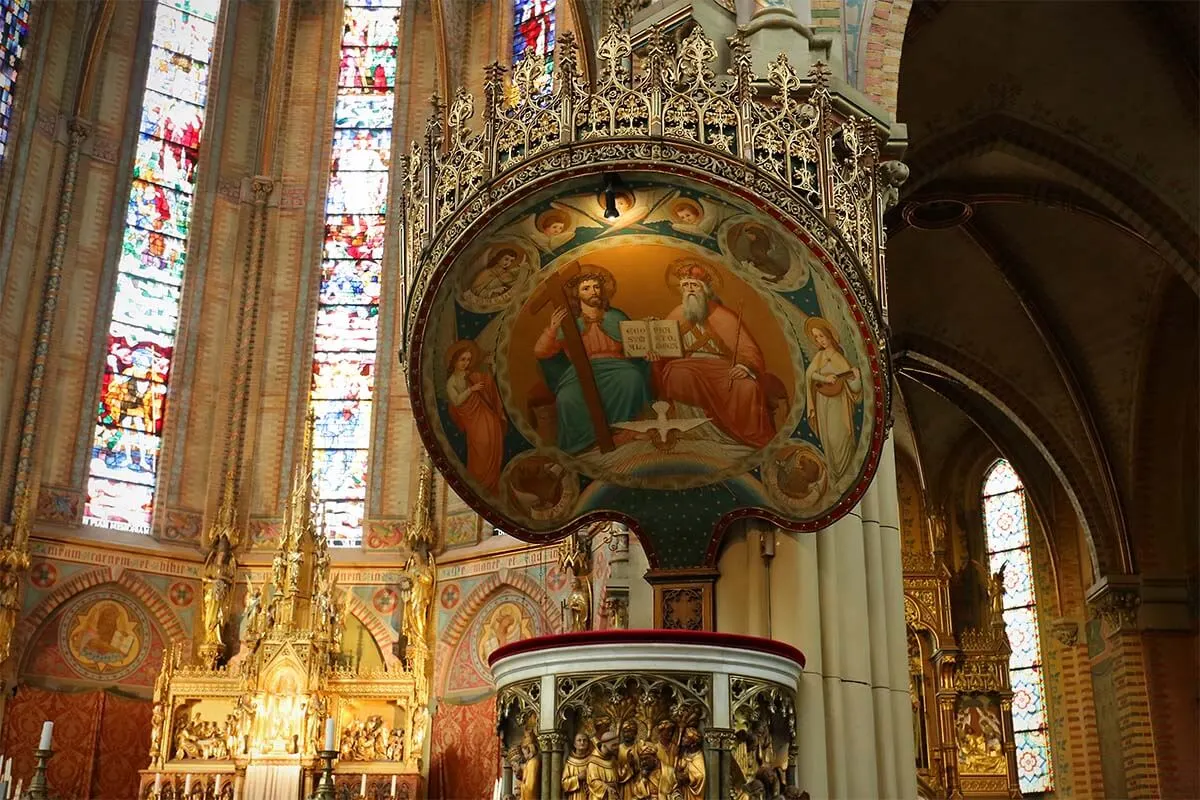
x=261 y=186
x=1066 y=631
x=79 y=129
x=552 y=742
x=719 y=739
x=1115 y=600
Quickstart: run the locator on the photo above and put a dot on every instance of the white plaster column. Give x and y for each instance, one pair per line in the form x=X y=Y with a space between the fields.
x=837 y=595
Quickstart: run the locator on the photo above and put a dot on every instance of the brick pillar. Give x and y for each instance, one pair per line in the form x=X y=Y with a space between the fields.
x=1115 y=600
x=1083 y=748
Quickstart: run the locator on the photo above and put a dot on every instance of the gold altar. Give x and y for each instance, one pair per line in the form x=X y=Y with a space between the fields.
x=254 y=725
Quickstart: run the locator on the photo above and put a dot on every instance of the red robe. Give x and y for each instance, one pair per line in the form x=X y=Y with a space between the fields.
x=482 y=419
x=738 y=407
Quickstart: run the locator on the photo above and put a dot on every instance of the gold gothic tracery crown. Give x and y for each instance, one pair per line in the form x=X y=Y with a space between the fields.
x=793 y=139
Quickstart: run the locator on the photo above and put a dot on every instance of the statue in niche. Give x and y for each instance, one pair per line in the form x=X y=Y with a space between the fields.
x=690 y=770
x=603 y=782
x=644 y=785
x=996 y=595
x=526 y=762
x=574 y=773
x=218 y=579
x=420 y=573
x=579 y=606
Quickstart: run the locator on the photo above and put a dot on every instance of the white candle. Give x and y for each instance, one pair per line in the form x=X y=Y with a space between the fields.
x=217 y=784
x=47 y=733
x=362 y=790
x=393 y=787
x=187 y=784
x=7 y=770
x=157 y=782
x=329 y=733
x=18 y=792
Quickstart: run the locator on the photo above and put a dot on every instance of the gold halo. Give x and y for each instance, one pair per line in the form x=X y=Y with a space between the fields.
x=457 y=349
x=812 y=323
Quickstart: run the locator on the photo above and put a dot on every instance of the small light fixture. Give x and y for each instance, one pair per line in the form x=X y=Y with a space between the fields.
x=612 y=183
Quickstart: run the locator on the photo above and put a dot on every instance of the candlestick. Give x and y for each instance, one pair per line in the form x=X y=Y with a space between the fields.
x=38 y=788
x=329 y=733
x=47 y=732
x=325 y=787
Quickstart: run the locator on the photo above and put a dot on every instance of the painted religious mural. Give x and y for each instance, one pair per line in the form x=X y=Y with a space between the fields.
x=681 y=357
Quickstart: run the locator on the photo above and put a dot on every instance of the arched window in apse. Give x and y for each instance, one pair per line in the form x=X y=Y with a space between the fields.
x=12 y=51
x=140 y=346
x=347 y=327
x=1005 y=519
x=534 y=30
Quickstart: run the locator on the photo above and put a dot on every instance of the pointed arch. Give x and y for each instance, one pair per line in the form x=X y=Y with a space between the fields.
x=158 y=610
x=1006 y=531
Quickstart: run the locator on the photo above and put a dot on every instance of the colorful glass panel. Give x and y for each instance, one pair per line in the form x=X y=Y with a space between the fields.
x=1006 y=523
x=534 y=30
x=1035 y=772
x=1018 y=576
x=145 y=315
x=13 y=34
x=1028 y=706
x=356 y=203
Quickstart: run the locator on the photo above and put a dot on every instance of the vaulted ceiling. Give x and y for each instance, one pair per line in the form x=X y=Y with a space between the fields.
x=1043 y=260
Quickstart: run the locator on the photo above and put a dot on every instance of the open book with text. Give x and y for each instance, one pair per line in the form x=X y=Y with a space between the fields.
x=643 y=336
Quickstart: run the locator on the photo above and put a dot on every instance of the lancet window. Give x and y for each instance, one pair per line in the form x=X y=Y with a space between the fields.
x=1006 y=522
x=534 y=30
x=347 y=329
x=140 y=347
x=12 y=51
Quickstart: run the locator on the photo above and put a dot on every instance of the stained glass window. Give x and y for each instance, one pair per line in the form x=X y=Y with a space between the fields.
x=1005 y=519
x=534 y=29
x=12 y=50
x=347 y=331
x=141 y=333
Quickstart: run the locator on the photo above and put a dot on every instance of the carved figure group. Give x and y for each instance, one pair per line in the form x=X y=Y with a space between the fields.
x=205 y=739
x=371 y=740
x=619 y=765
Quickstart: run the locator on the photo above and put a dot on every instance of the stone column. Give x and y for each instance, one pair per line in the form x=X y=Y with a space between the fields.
x=1115 y=600
x=551 y=744
x=843 y=589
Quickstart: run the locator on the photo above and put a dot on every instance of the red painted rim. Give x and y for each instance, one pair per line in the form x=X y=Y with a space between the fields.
x=648 y=636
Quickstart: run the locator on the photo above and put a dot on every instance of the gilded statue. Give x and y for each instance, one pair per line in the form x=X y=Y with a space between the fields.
x=579 y=605
x=197 y=738
x=254 y=613
x=603 y=782
x=526 y=763
x=645 y=784
x=157 y=718
x=420 y=573
x=689 y=769
x=218 y=579
x=996 y=594
x=574 y=773
x=616 y=610
x=318 y=709
x=667 y=749
x=371 y=740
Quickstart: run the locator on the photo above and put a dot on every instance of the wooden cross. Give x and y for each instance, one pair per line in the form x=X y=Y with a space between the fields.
x=555 y=290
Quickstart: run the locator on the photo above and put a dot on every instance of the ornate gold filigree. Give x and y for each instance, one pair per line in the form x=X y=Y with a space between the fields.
x=816 y=159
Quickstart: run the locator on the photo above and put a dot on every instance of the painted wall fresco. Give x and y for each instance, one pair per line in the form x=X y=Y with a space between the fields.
x=100 y=636
x=678 y=362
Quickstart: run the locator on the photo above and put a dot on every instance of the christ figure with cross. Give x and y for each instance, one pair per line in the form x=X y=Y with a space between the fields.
x=594 y=384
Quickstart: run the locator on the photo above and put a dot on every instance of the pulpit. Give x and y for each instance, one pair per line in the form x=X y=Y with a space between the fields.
x=706 y=714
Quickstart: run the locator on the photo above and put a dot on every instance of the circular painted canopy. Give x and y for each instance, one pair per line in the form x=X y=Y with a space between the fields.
x=675 y=359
